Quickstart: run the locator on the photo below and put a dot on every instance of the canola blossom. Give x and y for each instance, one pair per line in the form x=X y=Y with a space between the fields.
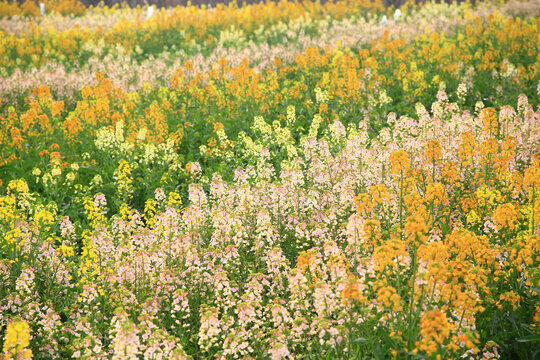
x=289 y=181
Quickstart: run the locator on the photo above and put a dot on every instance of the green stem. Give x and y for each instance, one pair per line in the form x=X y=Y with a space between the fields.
x=401 y=205
x=411 y=301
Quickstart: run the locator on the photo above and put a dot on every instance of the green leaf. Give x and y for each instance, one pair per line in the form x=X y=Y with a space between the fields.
x=361 y=340
x=533 y=338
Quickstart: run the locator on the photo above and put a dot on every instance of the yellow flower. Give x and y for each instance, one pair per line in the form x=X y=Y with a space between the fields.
x=18 y=186
x=94 y=213
x=16 y=341
x=472 y=217
x=13 y=235
x=149 y=212
x=44 y=218
x=124 y=180
x=174 y=199
x=125 y=212
x=67 y=250
x=486 y=196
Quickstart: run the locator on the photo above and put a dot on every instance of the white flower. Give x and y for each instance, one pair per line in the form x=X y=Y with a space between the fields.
x=119 y=131
x=291 y=115
x=97 y=180
x=321 y=96
x=142 y=134
x=397 y=15
x=462 y=91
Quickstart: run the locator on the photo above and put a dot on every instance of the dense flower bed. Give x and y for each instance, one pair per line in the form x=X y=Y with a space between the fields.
x=324 y=186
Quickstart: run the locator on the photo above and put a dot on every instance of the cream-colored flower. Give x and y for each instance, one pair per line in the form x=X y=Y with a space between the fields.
x=56 y=171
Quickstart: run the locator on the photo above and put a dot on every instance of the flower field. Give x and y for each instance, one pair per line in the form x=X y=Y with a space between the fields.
x=284 y=180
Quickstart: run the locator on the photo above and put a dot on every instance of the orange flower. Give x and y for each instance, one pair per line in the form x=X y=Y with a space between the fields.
x=433 y=150
x=57 y=108
x=86 y=92
x=436 y=193
x=489 y=119
x=363 y=203
x=218 y=126
x=351 y=291
x=222 y=62
x=435 y=329
x=400 y=161
x=505 y=216
x=509 y=147
x=489 y=147
x=56 y=157
x=379 y=193
x=450 y=173
x=532 y=175
x=45 y=123
x=188 y=65
x=388 y=297
x=16 y=137
x=41 y=92
x=305 y=260
x=415 y=226
x=467 y=148
x=72 y=127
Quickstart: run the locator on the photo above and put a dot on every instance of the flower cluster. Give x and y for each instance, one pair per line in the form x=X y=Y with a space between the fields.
x=360 y=198
x=17 y=341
